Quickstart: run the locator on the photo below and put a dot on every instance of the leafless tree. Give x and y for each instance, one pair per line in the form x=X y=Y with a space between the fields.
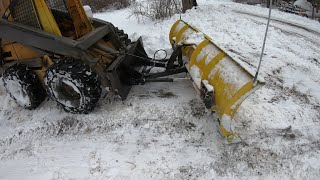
x=99 y=5
x=156 y=9
x=188 y=4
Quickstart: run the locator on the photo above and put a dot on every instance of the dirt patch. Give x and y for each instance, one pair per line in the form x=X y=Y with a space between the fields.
x=253 y=160
x=287 y=133
x=198 y=108
x=145 y=96
x=161 y=94
x=315 y=61
x=164 y=94
x=317 y=108
x=69 y=124
x=190 y=172
x=275 y=81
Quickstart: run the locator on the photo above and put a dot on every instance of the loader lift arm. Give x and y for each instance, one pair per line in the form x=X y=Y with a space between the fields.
x=10 y=8
x=80 y=20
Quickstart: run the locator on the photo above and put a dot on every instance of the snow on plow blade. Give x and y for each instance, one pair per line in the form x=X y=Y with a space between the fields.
x=221 y=80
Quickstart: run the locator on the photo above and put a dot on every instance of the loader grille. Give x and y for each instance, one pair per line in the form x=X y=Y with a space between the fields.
x=57 y=5
x=24 y=12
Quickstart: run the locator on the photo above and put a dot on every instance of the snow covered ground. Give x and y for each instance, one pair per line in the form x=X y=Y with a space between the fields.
x=163 y=132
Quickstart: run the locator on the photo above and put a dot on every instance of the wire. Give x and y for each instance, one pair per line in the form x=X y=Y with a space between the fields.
x=141 y=57
x=263 y=46
x=154 y=55
x=123 y=53
x=160 y=60
x=154 y=59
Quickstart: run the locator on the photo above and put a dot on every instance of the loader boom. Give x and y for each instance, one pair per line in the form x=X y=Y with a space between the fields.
x=81 y=21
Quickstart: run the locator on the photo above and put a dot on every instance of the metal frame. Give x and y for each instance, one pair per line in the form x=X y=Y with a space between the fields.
x=1 y=54
x=127 y=70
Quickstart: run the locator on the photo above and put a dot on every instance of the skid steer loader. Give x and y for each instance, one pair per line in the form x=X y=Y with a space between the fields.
x=52 y=47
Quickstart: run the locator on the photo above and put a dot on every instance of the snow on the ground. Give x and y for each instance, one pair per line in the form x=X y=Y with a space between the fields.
x=162 y=130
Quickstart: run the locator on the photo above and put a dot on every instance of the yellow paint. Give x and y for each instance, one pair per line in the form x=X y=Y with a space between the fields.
x=209 y=67
x=187 y=51
x=79 y=17
x=46 y=63
x=171 y=35
x=4 y=8
x=238 y=95
x=180 y=34
x=227 y=97
x=197 y=51
x=19 y=52
x=46 y=19
x=200 y=64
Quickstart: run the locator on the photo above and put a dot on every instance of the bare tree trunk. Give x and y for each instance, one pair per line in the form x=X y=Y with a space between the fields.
x=188 y=4
x=195 y=3
x=313 y=8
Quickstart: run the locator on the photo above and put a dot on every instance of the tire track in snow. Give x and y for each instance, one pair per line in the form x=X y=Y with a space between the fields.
x=77 y=127
x=278 y=24
x=280 y=21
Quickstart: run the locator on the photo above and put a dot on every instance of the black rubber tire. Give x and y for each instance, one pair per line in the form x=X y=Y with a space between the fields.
x=123 y=36
x=73 y=85
x=27 y=83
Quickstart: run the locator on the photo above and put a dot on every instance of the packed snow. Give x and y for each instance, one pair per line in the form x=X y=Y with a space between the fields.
x=195 y=38
x=231 y=73
x=195 y=75
x=209 y=87
x=162 y=131
x=18 y=93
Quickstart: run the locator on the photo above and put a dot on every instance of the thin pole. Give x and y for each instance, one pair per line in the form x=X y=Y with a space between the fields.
x=263 y=46
x=313 y=7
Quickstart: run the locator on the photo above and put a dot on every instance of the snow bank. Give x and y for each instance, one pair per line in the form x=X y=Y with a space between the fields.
x=304 y=4
x=88 y=11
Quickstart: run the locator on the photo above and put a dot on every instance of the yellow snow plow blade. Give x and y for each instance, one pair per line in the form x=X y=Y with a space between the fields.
x=215 y=74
